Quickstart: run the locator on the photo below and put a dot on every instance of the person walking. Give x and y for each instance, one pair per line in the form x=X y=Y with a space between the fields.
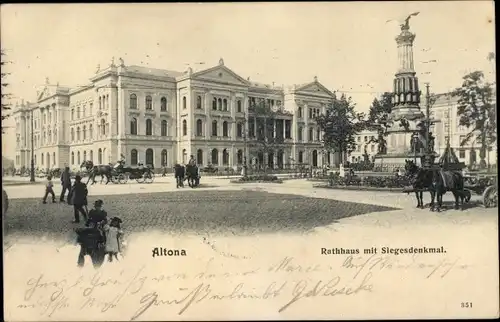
x=49 y=189
x=65 y=183
x=79 y=194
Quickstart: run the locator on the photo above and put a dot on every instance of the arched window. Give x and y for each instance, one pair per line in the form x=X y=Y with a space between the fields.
x=149 y=127
x=133 y=157
x=214 y=128
x=91 y=107
x=72 y=134
x=219 y=104
x=215 y=157
x=198 y=102
x=78 y=158
x=239 y=130
x=199 y=157
x=318 y=134
x=225 y=129
x=239 y=107
x=91 y=132
x=225 y=157
x=78 y=133
x=214 y=104
x=84 y=132
x=149 y=103
x=239 y=157
x=184 y=102
x=99 y=156
x=133 y=126
x=72 y=158
x=164 y=158
x=48 y=160
x=100 y=102
x=311 y=133
x=163 y=104
x=184 y=156
x=199 y=127
x=78 y=115
x=107 y=101
x=164 y=128
x=103 y=127
x=299 y=112
x=72 y=114
x=53 y=158
x=184 y=128
x=84 y=155
x=91 y=155
x=224 y=104
x=150 y=157
x=315 y=158
x=299 y=133
x=301 y=157
x=133 y=102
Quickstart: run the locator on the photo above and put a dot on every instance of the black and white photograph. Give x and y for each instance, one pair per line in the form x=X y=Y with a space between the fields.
x=249 y=161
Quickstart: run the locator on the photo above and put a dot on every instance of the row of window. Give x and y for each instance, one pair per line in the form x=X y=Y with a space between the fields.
x=148 y=102
x=82 y=134
x=84 y=112
x=365 y=138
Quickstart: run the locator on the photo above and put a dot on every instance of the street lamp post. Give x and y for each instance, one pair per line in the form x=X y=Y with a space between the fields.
x=32 y=170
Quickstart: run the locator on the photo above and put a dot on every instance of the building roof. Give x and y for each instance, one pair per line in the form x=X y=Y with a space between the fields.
x=153 y=71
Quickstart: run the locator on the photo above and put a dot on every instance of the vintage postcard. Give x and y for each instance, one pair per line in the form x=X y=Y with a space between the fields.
x=229 y=161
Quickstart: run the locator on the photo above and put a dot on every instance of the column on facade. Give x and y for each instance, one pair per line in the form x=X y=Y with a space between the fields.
x=274 y=128
x=284 y=129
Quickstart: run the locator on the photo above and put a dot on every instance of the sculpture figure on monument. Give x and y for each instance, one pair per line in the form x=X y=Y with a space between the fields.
x=430 y=145
x=122 y=62
x=406 y=24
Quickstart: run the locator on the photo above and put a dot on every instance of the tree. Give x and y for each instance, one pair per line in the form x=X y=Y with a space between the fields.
x=476 y=111
x=379 y=119
x=5 y=96
x=340 y=124
x=262 y=138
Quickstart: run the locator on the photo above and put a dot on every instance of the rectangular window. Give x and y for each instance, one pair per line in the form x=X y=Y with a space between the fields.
x=461 y=154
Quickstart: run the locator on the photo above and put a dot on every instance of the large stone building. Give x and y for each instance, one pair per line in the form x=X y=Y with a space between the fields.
x=444 y=109
x=159 y=117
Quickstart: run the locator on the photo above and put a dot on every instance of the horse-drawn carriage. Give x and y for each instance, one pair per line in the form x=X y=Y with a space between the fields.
x=447 y=175
x=484 y=185
x=119 y=173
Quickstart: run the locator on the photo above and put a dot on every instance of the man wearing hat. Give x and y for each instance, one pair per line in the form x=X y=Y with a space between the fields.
x=65 y=183
x=79 y=194
x=97 y=215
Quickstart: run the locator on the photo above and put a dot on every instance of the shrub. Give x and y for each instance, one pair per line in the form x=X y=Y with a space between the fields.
x=260 y=178
x=370 y=181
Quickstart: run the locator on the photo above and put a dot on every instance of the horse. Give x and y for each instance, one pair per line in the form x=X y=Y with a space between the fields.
x=192 y=175
x=420 y=180
x=104 y=170
x=437 y=181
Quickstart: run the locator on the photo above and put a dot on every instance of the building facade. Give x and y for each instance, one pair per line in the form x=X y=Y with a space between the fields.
x=365 y=143
x=447 y=127
x=160 y=117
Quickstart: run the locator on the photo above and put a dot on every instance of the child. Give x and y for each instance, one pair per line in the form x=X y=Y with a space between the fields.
x=113 y=236
x=49 y=189
x=97 y=215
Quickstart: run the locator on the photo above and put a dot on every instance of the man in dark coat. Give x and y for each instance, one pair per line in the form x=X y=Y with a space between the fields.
x=79 y=194
x=179 y=172
x=65 y=183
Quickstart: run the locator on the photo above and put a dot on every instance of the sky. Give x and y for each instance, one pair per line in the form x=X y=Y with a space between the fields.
x=349 y=46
